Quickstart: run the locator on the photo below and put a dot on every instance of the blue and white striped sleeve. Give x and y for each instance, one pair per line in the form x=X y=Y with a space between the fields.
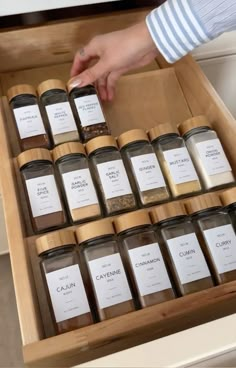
x=179 y=26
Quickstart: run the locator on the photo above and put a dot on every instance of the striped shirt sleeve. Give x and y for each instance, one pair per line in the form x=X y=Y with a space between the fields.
x=179 y=26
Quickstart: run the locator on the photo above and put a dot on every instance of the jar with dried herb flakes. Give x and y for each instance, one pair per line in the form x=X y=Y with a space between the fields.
x=110 y=175
x=79 y=191
x=88 y=111
x=175 y=161
x=143 y=167
x=57 y=111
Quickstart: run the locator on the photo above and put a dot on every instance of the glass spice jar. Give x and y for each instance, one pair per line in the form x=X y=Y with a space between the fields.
x=88 y=111
x=143 y=167
x=100 y=252
x=207 y=153
x=28 y=120
x=183 y=250
x=228 y=199
x=79 y=191
x=42 y=195
x=63 y=281
x=57 y=111
x=143 y=258
x=214 y=225
x=175 y=161
x=110 y=175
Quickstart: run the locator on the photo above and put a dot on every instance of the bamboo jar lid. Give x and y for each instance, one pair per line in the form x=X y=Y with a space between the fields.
x=55 y=240
x=94 y=230
x=134 y=135
x=228 y=197
x=50 y=84
x=35 y=154
x=193 y=123
x=167 y=211
x=131 y=220
x=100 y=142
x=67 y=149
x=202 y=202
x=20 y=89
x=161 y=129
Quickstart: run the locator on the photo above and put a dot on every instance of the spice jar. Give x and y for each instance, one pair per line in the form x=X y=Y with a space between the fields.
x=57 y=111
x=207 y=153
x=64 y=283
x=30 y=127
x=101 y=254
x=143 y=258
x=79 y=191
x=88 y=111
x=183 y=250
x=228 y=199
x=175 y=161
x=215 y=226
x=42 y=195
x=143 y=167
x=110 y=175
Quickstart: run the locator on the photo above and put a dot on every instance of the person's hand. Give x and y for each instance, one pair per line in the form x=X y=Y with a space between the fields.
x=114 y=54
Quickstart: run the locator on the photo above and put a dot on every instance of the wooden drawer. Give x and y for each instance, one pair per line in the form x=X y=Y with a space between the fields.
x=162 y=93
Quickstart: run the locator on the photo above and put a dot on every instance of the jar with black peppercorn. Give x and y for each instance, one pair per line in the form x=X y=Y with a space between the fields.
x=110 y=175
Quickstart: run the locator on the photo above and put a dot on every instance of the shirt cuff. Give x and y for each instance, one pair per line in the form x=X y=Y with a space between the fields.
x=176 y=29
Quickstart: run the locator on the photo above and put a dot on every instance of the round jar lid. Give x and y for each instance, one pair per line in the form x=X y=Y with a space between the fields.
x=50 y=84
x=67 y=149
x=131 y=136
x=100 y=142
x=35 y=154
x=131 y=220
x=55 y=240
x=202 y=202
x=94 y=230
x=20 y=89
x=193 y=123
x=228 y=197
x=167 y=211
x=160 y=130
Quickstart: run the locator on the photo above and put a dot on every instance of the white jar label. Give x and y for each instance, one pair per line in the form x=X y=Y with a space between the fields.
x=29 y=121
x=149 y=269
x=89 y=110
x=180 y=165
x=80 y=191
x=109 y=280
x=222 y=243
x=188 y=258
x=43 y=195
x=213 y=157
x=67 y=293
x=61 y=118
x=147 y=171
x=114 y=179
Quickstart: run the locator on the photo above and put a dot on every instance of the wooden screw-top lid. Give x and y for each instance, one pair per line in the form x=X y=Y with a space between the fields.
x=131 y=220
x=67 y=149
x=34 y=154
x=134 y=135
x=228 y=197
x=167 y=211
x=50 y=84
x=160 y=130
x=94 y=230
x=202 y=202
x=193 y=123
x=20 y=89
x=100 y=142
x=55 y=240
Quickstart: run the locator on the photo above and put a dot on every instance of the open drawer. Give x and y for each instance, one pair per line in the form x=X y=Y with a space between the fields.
x=162 y=93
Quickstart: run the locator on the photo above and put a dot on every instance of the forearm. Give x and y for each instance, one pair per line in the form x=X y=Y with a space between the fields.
x=179 y=26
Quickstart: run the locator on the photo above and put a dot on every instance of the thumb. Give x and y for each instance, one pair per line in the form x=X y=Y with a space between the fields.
x=89 y=75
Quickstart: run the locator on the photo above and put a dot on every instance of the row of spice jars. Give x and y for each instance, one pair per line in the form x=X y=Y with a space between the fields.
x=56 y=117
x=140 y=260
